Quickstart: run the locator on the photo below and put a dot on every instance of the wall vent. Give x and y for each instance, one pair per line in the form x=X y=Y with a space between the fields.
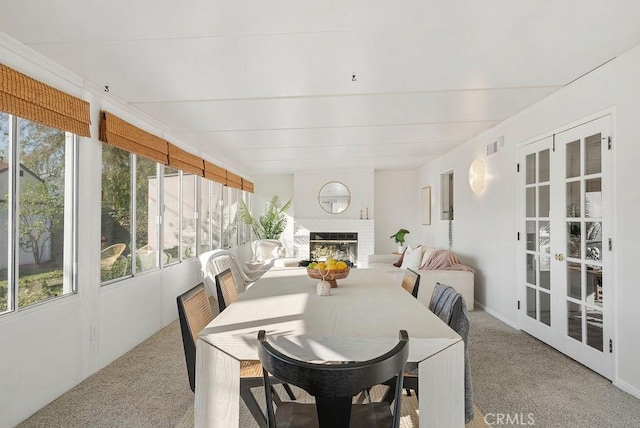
x=494 y=146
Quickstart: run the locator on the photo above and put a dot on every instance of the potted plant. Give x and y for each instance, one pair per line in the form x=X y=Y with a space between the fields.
x=269 y=225
x=399 y=238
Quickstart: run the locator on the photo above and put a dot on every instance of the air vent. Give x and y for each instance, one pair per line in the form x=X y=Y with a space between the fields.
x=494 y=146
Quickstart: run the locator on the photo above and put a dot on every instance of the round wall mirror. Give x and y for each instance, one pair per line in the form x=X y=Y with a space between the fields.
x=334 y=197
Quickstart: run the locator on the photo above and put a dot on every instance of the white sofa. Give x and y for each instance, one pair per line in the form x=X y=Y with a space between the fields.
x=461 y=280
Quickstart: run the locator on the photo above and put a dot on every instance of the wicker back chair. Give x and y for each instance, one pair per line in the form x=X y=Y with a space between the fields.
x=225 y=289
x=195 y=313
x=411 y=282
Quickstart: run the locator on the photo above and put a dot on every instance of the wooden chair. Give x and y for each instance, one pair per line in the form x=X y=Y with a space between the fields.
x=227 y=294
x=225 y=289
x=411 y=282
x=333 y=386
x=195 y=313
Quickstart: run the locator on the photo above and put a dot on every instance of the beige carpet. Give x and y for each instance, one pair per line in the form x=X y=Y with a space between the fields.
x=408 y=419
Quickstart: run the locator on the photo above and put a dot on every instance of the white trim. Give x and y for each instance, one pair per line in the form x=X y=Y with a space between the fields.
x=626 y=387
x=578 y=122
x=494 y=314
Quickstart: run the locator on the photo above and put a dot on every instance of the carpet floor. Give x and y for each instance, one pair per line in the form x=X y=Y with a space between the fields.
x=514 y=375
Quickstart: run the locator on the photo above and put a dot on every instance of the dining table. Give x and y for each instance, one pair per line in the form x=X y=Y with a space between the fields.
x=360 y=320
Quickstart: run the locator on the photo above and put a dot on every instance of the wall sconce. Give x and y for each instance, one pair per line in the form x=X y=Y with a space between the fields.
x=476 y=176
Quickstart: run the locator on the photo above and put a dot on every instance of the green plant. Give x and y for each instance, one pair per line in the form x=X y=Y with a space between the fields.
x=399 y=236
x=269 y=225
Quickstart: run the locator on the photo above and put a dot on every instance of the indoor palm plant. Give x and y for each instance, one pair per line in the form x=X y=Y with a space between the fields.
x=269 y=225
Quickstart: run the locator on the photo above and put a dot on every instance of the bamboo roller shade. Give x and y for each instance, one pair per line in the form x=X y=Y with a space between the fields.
x=121 y=134
x=215 y=173
x=247 y=185
x=20 y=95
x=185 y=161
x=234 y=180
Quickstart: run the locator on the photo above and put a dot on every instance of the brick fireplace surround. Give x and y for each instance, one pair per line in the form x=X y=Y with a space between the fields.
x=364 y=228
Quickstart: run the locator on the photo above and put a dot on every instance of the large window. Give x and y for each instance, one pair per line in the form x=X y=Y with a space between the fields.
x=188 y=215
x=37 y=164
x=146 y=213
x=171 y=215
x=210 y=215
x=117 y=212
x=155 y=214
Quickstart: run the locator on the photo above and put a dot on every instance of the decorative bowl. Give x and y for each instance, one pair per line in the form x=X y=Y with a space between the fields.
x=328 y=275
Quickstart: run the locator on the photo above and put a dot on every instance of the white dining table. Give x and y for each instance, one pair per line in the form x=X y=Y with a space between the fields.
x=358 y=321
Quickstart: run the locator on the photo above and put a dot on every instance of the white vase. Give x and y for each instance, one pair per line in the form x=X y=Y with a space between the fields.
x=401 y=248
x=323 y=288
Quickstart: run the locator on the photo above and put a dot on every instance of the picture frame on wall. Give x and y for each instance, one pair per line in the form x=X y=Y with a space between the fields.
x=426 y=205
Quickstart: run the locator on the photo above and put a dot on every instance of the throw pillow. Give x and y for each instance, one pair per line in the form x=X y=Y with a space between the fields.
x=399 y=262
x=412 y=258
x=425 y=256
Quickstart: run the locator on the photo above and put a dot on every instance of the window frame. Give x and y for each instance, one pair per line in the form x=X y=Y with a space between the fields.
x=70 y=193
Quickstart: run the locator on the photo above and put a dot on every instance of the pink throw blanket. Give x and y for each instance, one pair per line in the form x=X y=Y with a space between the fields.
x=444 y=260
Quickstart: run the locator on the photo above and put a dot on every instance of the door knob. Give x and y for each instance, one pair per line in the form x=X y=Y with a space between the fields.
x=559 y=257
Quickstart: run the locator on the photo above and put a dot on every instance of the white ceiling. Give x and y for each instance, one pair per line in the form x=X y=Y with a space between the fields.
x=267 y=88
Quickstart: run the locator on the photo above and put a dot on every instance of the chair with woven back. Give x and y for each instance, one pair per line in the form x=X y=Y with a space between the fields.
x=227 y=294
x=195 y=313
x=411 y=282
x=225 y=289
x=333 y=386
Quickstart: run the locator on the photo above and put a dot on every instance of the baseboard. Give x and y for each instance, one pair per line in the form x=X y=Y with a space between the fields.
x=627 y=387
x=494 y=314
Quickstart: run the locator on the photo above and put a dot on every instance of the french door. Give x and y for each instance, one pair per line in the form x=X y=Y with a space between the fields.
x=564 y=276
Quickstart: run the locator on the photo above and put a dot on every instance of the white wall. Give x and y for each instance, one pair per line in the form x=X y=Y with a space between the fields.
x=307 y=184
x=485 y=226
x=48 y=348
x=397 y=206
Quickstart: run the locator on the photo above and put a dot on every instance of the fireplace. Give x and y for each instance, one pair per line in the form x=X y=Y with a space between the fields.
x=364 y=231
x=338 y=245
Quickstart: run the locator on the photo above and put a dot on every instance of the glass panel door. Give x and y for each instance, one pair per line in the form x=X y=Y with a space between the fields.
x=584 y=296
x=536 y=245
x=565 y=257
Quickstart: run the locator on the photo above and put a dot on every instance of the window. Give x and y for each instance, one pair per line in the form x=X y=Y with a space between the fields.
x=233 y=216
x=446 y=192
x=147 y=231
x=37 y=162
x=125 y=224
x=206 y=213
x=216 y=215
x=171 y=215
x=188 y=216
x=210 y=215
x=244 y=234
x=117 y=214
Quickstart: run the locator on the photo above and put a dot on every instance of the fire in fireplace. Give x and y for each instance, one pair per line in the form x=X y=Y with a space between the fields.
x=338 y=245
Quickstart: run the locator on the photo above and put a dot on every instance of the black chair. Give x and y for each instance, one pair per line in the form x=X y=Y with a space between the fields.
x=195 y=313
x=333 y=386
x=411 y=282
